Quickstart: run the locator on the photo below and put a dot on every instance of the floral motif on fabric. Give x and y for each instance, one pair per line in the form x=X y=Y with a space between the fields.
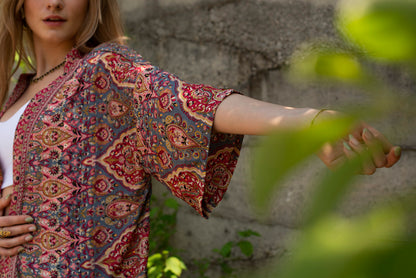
x=196 y=97
x=85 y=150
x=122 y=160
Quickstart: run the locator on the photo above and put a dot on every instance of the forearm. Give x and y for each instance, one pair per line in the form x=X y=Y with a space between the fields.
x=239 y=114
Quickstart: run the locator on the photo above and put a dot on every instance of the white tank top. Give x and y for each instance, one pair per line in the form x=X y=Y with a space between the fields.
x=7 y=131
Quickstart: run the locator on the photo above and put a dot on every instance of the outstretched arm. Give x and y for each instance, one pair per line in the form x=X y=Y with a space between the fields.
x=239 y=114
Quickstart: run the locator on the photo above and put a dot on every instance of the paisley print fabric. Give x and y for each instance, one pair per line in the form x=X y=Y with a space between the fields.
x=85 y=150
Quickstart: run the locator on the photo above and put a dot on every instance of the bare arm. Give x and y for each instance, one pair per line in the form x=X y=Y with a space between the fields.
x=239 y=114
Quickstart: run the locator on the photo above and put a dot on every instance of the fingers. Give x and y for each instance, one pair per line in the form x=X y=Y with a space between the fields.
x=12 y=220
x=15 y=231
x=386 y=145
x=353 y=148
x=336 y=163
x=393 y=156
x=17 y=236
x=4 y=252
x=332 y=155
x=384 y=153
x=375 y=151
x=7 y=243
x=375 y=147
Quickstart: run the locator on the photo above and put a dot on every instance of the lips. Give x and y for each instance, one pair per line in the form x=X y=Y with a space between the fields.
x=54 y=18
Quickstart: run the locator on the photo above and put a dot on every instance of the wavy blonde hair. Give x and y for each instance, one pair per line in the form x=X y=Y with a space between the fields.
x=102 y=24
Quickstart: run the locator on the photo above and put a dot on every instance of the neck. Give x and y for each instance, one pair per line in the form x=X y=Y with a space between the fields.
x=49 y=56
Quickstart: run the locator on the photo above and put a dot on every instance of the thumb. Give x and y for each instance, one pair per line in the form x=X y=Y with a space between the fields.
x=4 y=202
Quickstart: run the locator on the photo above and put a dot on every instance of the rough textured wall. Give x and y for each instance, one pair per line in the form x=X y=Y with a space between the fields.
x=246 y=45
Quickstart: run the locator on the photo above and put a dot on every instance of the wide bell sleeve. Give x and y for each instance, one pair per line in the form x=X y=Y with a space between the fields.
x=177 y=142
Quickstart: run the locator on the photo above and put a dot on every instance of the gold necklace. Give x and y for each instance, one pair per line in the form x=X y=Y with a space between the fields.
x=34 y=80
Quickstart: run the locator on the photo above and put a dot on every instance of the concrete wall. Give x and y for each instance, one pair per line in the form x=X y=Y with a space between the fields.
x=246 y=45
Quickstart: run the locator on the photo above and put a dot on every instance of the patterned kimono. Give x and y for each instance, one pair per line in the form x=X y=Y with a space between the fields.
x=85 y=150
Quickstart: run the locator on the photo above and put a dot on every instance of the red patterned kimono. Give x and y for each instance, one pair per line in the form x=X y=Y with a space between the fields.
x=85 y=150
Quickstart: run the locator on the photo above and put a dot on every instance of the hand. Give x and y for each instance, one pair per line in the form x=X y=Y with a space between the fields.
x=19 y=230
x=375 y=150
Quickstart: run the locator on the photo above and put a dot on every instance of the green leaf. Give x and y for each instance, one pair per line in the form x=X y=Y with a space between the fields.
x=155 y=265
x=172 y=203
x=226 y=268
x=23 y=66
x=324 y=62
x=246 y=247
x=225 y=250
x=248 y=233
x=175 y=265
x=154 y=211
x=331 y=189
x=385 y=29
x=151 y=269
x=155 y=257
x=281 y=152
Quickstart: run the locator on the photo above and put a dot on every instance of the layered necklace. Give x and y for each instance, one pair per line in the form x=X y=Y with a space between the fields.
x=37 y=79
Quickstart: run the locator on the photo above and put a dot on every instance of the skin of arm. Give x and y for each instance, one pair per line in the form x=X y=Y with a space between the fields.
x=239 y=114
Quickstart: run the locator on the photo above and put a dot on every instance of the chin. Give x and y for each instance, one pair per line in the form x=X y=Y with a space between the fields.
x=56 y=41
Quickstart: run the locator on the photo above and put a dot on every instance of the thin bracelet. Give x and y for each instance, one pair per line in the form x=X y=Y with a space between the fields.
x=316 y=116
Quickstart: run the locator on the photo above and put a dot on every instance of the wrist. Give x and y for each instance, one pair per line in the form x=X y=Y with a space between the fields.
x=317 y=114
x=324 y=114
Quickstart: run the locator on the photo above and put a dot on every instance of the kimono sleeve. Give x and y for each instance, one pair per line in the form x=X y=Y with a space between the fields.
x=177 y=141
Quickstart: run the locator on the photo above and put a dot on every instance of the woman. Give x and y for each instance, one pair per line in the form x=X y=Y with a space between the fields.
x=94 y=123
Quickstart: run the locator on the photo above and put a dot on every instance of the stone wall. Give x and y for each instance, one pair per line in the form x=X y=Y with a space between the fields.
x=246 y=45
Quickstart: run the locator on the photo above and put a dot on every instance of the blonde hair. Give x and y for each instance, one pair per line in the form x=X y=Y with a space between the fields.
x=102 y=24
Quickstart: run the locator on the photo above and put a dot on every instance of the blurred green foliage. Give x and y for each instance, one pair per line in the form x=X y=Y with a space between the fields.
x=22 y=67
x=162 y=265
x=378 y=243
x=384 y=29
x=226 y=256
x=163 y=260
x=162 y=223
x=281 y=153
